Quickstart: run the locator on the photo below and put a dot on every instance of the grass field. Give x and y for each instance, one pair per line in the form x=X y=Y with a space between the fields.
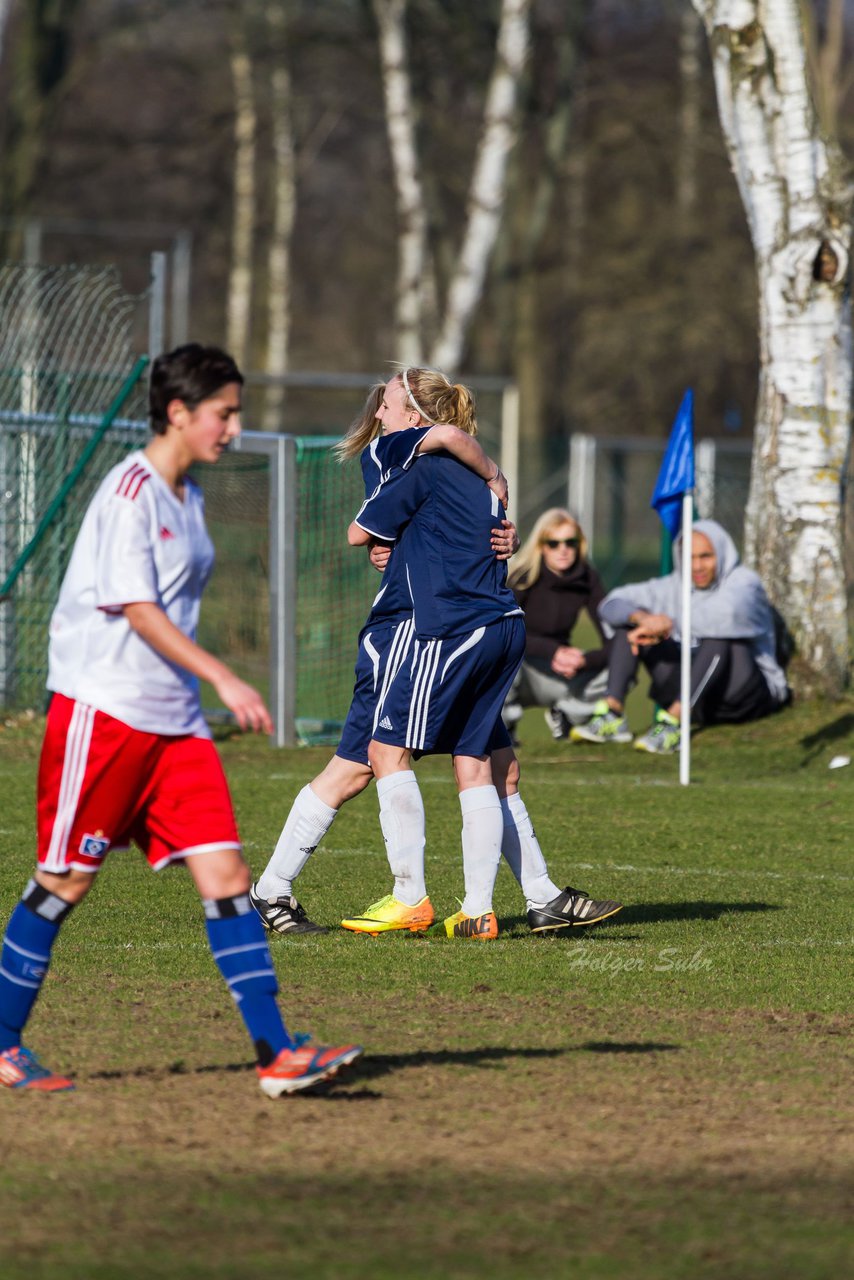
x=668 y=1095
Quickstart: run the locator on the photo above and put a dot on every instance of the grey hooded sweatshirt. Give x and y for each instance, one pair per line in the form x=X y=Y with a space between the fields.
x=734 y=607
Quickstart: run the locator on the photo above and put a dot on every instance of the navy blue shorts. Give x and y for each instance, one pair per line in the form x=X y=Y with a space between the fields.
x=447 y=698
x=382 y=648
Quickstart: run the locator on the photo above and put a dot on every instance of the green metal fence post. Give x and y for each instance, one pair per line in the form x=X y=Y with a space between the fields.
x=74 y=475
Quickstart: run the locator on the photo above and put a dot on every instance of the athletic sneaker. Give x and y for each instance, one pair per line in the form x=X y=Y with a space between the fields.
x=21 y=1069
x=605 y=726
x=663 y=738
x=388 y=914
x=283 y=915
x=568 y=909
x=304 y=1065
x=558 y=723
x=460 y=925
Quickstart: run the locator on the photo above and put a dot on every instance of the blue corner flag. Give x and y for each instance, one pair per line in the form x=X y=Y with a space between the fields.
x=676 y=476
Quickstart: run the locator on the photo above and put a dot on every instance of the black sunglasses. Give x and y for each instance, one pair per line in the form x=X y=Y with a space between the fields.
x=554 y=543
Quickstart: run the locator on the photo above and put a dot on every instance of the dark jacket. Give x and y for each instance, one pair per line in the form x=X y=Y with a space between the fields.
x=552 y=605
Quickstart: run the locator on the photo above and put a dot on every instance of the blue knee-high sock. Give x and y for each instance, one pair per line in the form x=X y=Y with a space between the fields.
x=25 y=958
x=236 y=937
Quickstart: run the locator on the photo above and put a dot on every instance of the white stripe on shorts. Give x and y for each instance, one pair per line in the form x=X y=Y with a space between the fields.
x=374 y=656
x=474 y=638
x=396 y=658
x=422 y=687
x=74 y=763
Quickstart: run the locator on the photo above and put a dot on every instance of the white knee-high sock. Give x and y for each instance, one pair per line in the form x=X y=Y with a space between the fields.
x=522 y=850
x=402 y=822
x=483 y=827
x=307 y=823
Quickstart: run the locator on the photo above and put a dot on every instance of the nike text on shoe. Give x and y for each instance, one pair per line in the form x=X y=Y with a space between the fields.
x=283 y=915
x=568 y=910
x=304 y=1065
x=605 y=726
x=389 y=914
x=21 y=1069
x=462 y=926
x=663 y=738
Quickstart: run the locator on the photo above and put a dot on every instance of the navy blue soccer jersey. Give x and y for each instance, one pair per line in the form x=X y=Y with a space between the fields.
x=447 y=513
x=381 y=459
x=388 y=452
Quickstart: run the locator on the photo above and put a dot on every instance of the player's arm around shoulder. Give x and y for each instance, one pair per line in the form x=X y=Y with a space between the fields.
x=467 y=450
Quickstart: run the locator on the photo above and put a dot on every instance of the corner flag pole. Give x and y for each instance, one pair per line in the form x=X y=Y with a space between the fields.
x=673 y=496
x=685 y=655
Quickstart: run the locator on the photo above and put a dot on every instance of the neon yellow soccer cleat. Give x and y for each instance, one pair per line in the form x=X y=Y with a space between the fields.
x=460 y=925
x=388 y=914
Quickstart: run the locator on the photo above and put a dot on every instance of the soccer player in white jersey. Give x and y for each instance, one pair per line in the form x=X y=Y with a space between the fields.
x=127 y=753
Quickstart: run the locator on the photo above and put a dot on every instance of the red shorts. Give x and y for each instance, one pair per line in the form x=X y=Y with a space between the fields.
x=102 y=784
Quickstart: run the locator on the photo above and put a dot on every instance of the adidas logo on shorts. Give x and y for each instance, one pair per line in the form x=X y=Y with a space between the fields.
x=385 y=723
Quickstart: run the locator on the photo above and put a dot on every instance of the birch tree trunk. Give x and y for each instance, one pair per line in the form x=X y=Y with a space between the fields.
x=532 y=189
x=412 y=263
x=797 y=203
x=284 y=214
x=240 y=279
x=688 y=153
x=488 y=187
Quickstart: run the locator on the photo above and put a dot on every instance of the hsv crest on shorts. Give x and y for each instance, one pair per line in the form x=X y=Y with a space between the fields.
x=94 y=846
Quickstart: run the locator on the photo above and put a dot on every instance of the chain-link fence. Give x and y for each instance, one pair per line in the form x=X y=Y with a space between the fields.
x=288 y=597
x=67 y=371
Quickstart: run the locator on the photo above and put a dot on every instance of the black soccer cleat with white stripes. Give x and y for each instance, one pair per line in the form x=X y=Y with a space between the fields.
x=283 y=915
x=568 y=910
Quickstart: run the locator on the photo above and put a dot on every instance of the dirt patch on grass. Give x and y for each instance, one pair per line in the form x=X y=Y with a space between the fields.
x=495 y=1120
x=634 y=1089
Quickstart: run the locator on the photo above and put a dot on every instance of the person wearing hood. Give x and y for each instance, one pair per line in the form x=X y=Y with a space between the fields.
x=735 y=675
x=553 y=581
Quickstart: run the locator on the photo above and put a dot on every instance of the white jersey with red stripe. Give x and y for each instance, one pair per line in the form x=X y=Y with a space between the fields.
x=138 y=543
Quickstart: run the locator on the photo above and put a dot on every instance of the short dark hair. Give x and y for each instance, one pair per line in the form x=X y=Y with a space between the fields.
x=191 y=373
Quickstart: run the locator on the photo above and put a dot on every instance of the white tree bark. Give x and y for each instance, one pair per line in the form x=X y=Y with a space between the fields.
x=412 y=258
x=240 y=280
x=284 y=214
x=798 y=208
x=488 y=185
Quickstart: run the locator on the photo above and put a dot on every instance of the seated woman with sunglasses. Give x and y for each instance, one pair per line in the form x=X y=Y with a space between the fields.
x=553 y=581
